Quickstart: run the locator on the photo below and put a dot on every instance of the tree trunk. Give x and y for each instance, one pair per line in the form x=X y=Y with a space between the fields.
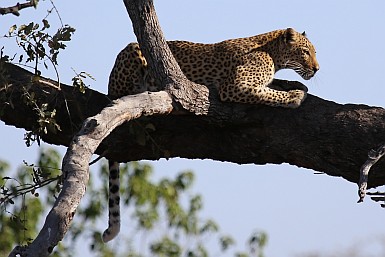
x=163 y=66
x=320 y=135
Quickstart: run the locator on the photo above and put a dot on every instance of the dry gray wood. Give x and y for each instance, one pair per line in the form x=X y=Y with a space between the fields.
x=76 y=169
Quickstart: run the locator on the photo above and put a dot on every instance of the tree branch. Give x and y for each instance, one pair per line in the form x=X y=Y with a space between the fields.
x=15 y=9
x=76 y=164
x=320 y=135
x=193 y=97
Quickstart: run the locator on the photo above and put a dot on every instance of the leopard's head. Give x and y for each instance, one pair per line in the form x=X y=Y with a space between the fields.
x=298 y=53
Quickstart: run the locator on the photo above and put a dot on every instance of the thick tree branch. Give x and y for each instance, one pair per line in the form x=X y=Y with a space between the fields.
x=320 y=135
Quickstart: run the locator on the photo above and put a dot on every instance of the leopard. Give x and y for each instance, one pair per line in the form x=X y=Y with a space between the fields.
x=242 y=70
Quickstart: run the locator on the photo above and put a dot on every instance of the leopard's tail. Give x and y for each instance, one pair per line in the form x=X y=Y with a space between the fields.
x=113 y=203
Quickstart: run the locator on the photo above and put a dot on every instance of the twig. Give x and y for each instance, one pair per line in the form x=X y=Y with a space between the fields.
x=98 y=158
x=378 y=197
x=15 y=9
x=57 y=13
x=26 y=188
x=373 y=157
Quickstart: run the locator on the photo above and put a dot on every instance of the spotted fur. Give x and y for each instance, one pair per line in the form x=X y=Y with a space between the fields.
x=113 y=203
x=241 y=69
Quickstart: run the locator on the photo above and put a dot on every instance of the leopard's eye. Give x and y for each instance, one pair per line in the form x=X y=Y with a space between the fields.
x=306 y=51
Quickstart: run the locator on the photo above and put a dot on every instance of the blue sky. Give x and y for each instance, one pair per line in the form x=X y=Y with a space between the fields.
x=300 y=211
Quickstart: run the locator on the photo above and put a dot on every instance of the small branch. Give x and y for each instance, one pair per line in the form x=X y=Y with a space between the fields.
x=15 y=9
x=373 y=157
x=378 y=197
x=26 y=188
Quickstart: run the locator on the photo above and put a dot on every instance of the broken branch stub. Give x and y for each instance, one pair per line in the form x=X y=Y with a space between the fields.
x=373 y=157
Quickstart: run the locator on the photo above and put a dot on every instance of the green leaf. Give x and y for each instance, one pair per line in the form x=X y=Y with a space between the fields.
x=45 y=24
x=226 y=242
x=12 y=29
x=28 y=29
x=209 y=226
x=166 y=247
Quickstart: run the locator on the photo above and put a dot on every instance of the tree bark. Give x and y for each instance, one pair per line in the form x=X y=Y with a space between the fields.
x=163 y=66
x=320 y=135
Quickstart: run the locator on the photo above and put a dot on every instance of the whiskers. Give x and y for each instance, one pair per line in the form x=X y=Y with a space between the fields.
x=305 y=73
x=316 y=80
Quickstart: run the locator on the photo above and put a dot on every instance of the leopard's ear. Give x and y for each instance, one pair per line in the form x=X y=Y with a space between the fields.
x=290 y=36
x=304 y=34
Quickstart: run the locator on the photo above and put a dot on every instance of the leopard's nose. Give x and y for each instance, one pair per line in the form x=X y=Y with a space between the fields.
x=315 y=68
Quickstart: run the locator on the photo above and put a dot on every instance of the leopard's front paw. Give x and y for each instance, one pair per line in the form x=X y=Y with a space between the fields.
x=287 y=85
x=296 y=97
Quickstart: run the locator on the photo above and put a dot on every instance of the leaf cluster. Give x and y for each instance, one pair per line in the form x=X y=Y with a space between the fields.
x=78 y=81
x=165 y=214
x=30 y=178
x=46 y=118
x=21 y=204
x=38 y=44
